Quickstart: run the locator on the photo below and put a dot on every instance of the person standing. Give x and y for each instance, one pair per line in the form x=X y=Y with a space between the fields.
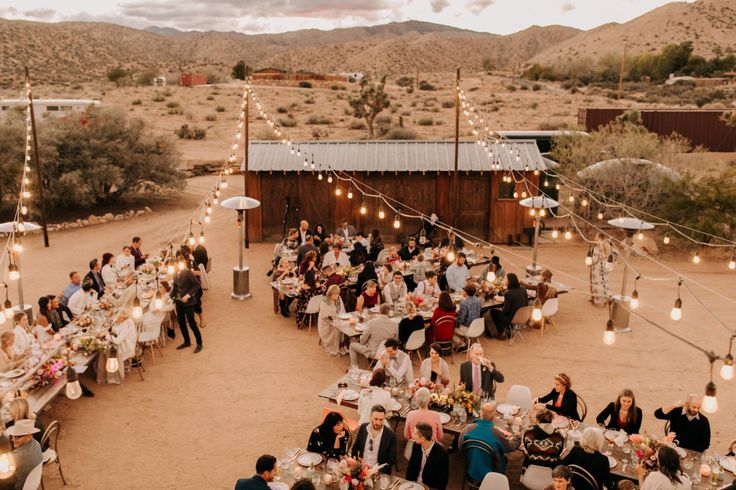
x=184 y=293
x=138 y=255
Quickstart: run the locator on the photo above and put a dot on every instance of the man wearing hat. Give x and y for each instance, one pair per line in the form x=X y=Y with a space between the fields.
x=27 y=452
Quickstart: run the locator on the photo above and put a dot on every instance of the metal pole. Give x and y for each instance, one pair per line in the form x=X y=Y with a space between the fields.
x=627 y=252
x=246 y=139
x=534 y=253
x=240 y=239
x=621 y=75
x=455 y=196
x=39 y=176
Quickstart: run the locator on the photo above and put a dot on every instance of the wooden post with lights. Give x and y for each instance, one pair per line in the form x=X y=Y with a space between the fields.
x=621 y=75
x=455 y=182
x=246 y=141
x=39 y=175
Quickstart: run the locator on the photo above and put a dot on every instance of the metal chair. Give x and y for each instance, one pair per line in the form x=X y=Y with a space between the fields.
x=33 y=480
x=312 y=311
x=415 y=343
x=519 y=322
x=468 y=448
x=582 y=408
x=494 y=481
x=446 y=345
x=475 y=330
x=521 y=396
x=549 y=309
x=581 y=478
x=536 y=477
x=51 y=455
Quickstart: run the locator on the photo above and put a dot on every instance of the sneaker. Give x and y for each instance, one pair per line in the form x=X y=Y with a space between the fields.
x=183 y=346
x=198 y=348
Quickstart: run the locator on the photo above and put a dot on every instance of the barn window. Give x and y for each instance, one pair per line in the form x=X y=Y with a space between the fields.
x=506 y=190
x=52 y=108
x=66 y=108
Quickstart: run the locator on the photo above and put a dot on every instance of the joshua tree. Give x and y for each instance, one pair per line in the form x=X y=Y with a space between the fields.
x=370 y=102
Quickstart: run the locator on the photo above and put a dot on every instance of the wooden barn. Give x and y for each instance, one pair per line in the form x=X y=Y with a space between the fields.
x=418 y=173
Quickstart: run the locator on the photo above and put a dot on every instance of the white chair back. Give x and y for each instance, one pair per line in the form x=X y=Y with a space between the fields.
x=550 y=307
x=313 y=305
x=476 y=328
x=521 y=396
x=204 y=281
x=494 y=481
x=536 y=477
x=33 y=480
x=380 y=350
x=151 y=326
x=522 y=315
x=416 y=340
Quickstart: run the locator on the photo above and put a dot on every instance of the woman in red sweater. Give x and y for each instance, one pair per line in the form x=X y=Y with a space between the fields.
x=442 y=327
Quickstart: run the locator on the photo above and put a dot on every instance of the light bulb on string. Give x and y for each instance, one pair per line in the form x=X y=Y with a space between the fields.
x=397 y=222
x=73 y=388
x=209 y=209
x=137 y=312
x=600 y=216
x=338 y=191
x=523 y=194
x=609 y=263
x=542 y=212
x=329 y=179
x=584 y=202
x=609 y=336
x=537 y=311
x=201 y=237
x=589 y=258
x=26 y=194
x=112 y=365
x=634 y=303
x=546 y=183
x=571 y=198
x=676 y=313
x=710 y=403
x=732 y=263
x=696 y=258
x=381 y=212
x=555 y=233
x=319 y=176
x=17 y=246
x=363 y=209
x=568 y=234
x=727 y=368
x=223 y=184
x=181 y=265
x=215 y=200
x=666 y=238
x=190 y=240
x=13 y=272
x=350 y=193
x=8 y=308
x=557 y=187
x=516 y=194
x=207 y=219
x=532 y=212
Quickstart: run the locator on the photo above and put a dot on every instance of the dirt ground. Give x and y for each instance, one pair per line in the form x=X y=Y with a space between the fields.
x=200 y=422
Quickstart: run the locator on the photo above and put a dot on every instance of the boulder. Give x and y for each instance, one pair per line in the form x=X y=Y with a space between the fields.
x=119 y=217
x=93 y=220
x=85 y=222
x=108 y=216
x=148 y=210
x=140 y=212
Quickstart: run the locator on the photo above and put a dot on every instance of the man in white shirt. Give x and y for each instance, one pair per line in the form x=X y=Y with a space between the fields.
x=375 y=443
x=303 y=231
x=336 y=257
x=429 y=286
x=82 y=298
x=429 y=463
x=125 y=262
x=395 y=290
x=377 y=330
x=395 y=362
x=457 y=274
x=126 y=297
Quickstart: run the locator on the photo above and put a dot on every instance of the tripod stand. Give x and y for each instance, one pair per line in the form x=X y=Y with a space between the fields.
x=288 y=208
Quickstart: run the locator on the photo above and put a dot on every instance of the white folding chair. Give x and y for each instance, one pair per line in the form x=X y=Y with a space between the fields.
x=313 y=310
x=415 y=342
x=494 y=481
x=536 y=477
x=33 y=480
x=521 y=396
x=549 y=309
x=519 y=322
x=151 y=332
x=475 y=330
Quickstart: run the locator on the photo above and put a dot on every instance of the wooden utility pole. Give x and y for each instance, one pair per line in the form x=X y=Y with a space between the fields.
x=246 y=143
x=417 y=83
x=39 y=175
x=455 y=183
x=621 y=75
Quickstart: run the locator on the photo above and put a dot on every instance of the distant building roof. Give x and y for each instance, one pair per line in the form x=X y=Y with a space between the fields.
x=45 y=102
x=264 y=70
x=393 y=156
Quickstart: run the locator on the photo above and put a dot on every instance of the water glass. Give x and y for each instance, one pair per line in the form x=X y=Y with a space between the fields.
x=384 y=481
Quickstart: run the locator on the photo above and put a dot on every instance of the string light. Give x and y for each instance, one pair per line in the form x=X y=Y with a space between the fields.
x=397 y=222
x=600 y=216
x=338 y=191
x=584 y=202
x=666 y=238
x=190 y=240
x=555 y=233
x=17 y=246
x=727 y=368
x=696 y=258
x=542 y=212
x=73 y=388
x=363 y=208
x=568 y=234
x=8 y=306
x=13 y=272
x=634 y=303
x=676 y=313
x=491 y=276
x=319 y=176
x=137 y=310
x=732 y=263
x=112 y=365
x=710 y=403
x=350 y=193
x=609 y=336
x=640 y=235
x=329 y=179
x=589 y=258
x=201 y=237
x=381 y=212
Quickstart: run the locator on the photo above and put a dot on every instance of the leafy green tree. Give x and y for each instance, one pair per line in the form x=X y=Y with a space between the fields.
x=371 y=100
x=239 y=70
x=673 y=58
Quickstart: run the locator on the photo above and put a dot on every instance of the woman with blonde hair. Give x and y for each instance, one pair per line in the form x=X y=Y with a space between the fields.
x=8 y=359
x=24 y=337
x=562 y=400
x=19 y=410
x=330 y=307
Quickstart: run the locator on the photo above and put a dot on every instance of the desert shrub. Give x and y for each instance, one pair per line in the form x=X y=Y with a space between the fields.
x=266 y=134
x=167 y=92
x=309 y=100
x=448 y=104
x=146 y=76
x=425 y=85
x=210 y=117
x=536 y=87
x=287 y=122
x=401 y=134
x=305 y=84
x=511 y=88
x=405 y=81
x=524 y=87
x=158 y=98
x=384 y=119
x=172 y=104
x=410 y=90
x=219 y=108
x=356 y=124
x=426 y=121
x=185 y=132
x=137 y=102
x=209 y=97
x=117 y=75
x=315 y=119
x=533 y=105
x=473 y=89
x=282 y=110
x=703 y=99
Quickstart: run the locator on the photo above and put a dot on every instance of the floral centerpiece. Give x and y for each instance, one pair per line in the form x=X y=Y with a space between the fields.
x=147 y=268
x=466 y=399
x=354 y=473
x=91 y=345
x=416 y=299
x=85 y=321
x=646 y=447
x=105 y=304
x=49 y=372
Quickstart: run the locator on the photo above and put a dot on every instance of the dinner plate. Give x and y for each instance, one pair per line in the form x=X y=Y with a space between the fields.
x=612 y=462
x=15 y=373
x=410 y=485
x=350 y=395
x=309 y=459
x=560 y=422
x=344 y=316
x=507 y=409
x=278 y=485
x=5 y=383
x=444 y=418
x=729 y=464
x=360 y=327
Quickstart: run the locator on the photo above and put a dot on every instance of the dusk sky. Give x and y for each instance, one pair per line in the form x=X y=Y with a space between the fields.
x=261 y=16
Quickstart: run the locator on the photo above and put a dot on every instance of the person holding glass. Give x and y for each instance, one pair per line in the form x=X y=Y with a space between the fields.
x=434 y=368
x=562 y=399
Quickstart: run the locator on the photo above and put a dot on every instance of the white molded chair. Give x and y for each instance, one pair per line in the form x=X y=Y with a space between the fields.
x=475 y=330
x=494 y=481
x=521 y=396
x=151 y=332
x=549 y=309
x=415 y=342
x=313 y=310
x=33 y=480
x=536 y=477
x=519 y=322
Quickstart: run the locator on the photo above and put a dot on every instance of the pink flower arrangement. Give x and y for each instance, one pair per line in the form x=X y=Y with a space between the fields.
x=354 y=472
x=49 y=372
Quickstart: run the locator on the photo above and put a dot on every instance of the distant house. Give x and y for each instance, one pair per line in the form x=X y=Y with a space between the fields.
x=159 y=81
x=269 y=74
x=48 y=107
x=277 y=74
x=193 y=79
x=353 y=76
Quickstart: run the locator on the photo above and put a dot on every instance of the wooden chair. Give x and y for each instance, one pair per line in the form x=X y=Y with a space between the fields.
x=446 y=345
x=468 y=447
x=581 y=478
x=51 y=455
x=582 y=408
x=519 y=322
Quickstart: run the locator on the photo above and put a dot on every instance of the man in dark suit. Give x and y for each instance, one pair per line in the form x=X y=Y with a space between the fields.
x=304 y=248
x=479 y=373
x=135 y=249
x=184 y=293
x=266 y=470
x=429 y=463
x=98 y=284
x=376 y=443
x=303 y=232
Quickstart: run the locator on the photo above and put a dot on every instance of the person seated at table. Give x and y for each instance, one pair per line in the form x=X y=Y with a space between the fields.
x=423 y=415
x=495 y=267
x=367 y=274
x=428 y=287
x=377 y=330
x=345 y=232
x=124 y=262
x=452 y=239
x=108 y=273
x=320 y=235
x=386 y=275
x=544 y=288
x=409 y=251
x=8 y=359
x=420 y=267
x=75 y=284
x=309 y=263
x=27 y=451
x=479 y=373
x=330 y=438
x=514 y=298
x=410 y=323
x=691 y=427
x=281 y=300
x=542 y=443
x=124 y=335
x=375 y=242
x=393 y=256
x=395 y=290
x=623 y=414
x=332 y=277
x=125 y=298
x=43 y=331
x=561 y=479
x=668 y=474
x=469 y=310
x=396 y=362
x=358 y=254
x=302 y=232
x=329 y=308
x=163 y=315
x=305 y=248
x=369 y=297
x=98 y=283
x=375 y=443
x=24 y=338
x=309 y=288
x=361 y=239
x=336 y=257
x=429 y=463
x=375 y=394
x=442 y=326
x=302 y=484
x=19 y=410
x=83 y=298
x=589 y=457
x=457 y=274
x=292 y=240
x=479 y=462
x=55 y=313
x=562 y=400
x=434 y=368
x=266 y=470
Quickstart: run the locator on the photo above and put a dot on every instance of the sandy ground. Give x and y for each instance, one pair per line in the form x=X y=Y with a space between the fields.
x=200 y=422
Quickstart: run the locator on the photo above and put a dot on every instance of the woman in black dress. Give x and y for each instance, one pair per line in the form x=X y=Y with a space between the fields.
x=329 y=438
x=320 y=235
x=623 y=414
x=562 y=400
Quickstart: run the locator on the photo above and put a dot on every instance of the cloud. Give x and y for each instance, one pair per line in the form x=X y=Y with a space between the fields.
x=44 y=14
x=567 y=7
x=439 y=5
x=478 y=6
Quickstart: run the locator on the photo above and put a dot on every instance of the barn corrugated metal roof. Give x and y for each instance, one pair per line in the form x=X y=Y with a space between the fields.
x=393 y=156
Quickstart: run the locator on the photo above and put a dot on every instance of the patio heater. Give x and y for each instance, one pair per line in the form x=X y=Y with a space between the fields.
x=538 y=206
x=241 y=273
